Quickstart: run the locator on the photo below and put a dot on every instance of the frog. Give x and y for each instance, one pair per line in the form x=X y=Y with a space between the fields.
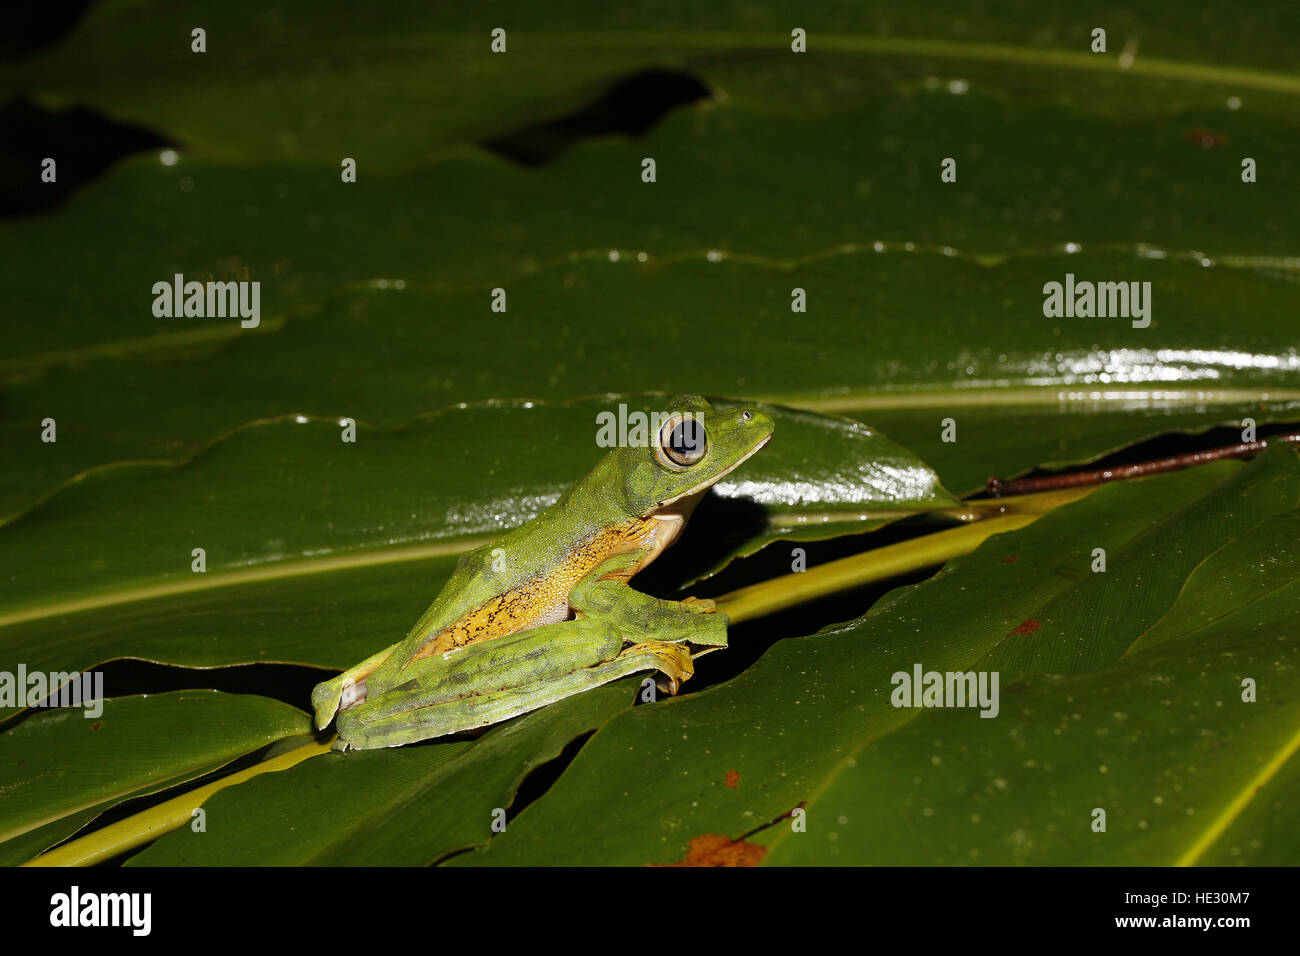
x=546 y=611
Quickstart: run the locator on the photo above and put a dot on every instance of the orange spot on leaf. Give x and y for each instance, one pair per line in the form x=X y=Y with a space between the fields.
x=714 y=849
x=1206 y=138
x=1025 y=627
x=732 y=779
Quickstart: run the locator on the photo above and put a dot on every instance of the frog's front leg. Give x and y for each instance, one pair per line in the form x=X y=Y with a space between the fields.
x=605 y=594
x=663 y=634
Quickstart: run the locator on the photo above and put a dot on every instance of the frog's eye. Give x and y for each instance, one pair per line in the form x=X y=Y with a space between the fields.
x=682 y=442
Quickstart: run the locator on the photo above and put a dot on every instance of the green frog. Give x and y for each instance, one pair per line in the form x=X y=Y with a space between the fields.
x=546 y=610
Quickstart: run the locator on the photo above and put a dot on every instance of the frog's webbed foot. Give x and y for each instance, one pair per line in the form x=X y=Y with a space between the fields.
x=699 y=605
x=673 y=661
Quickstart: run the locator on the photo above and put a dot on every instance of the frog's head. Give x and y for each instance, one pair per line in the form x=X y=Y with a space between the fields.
x=694 y=446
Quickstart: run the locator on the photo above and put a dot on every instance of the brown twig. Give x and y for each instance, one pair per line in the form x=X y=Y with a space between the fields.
x=1016 y=486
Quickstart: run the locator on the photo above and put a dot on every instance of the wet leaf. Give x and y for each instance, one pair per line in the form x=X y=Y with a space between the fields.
x=813 y=722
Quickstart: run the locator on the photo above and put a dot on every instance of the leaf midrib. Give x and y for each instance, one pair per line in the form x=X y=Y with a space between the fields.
x=1053 y=58
x=262 y=573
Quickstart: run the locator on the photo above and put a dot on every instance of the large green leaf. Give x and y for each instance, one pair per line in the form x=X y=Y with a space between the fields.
x=938 y=324
x=63 y=767
x=802 y=725
x=1163 y=744
x=886 y=339
x=1186 y=769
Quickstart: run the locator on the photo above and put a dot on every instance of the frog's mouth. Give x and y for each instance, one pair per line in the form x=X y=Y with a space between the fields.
x=691 y=497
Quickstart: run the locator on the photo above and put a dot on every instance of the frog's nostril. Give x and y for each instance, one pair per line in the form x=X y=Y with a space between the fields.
x=746 y=415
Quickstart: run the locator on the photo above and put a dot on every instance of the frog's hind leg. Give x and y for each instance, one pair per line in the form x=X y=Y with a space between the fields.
x=381 y=724
x=491 y=681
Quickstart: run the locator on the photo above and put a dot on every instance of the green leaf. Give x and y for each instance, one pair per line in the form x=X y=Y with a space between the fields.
x=1162 y=743
x=1019 y=390
x=1252 y=583
x=65 y=767
x=1186 y=767
x=314 y=68
x=404 y=806
x=791 y=726
x=943 y=321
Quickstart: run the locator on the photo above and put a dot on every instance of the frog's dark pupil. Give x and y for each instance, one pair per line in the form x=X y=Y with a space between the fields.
x=687 y=441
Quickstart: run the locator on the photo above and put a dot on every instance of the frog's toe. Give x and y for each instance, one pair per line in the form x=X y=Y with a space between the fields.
x=667 y=685
x=673 y=662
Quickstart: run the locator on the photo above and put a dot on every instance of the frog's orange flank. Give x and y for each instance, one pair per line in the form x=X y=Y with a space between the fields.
x=545 y=598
